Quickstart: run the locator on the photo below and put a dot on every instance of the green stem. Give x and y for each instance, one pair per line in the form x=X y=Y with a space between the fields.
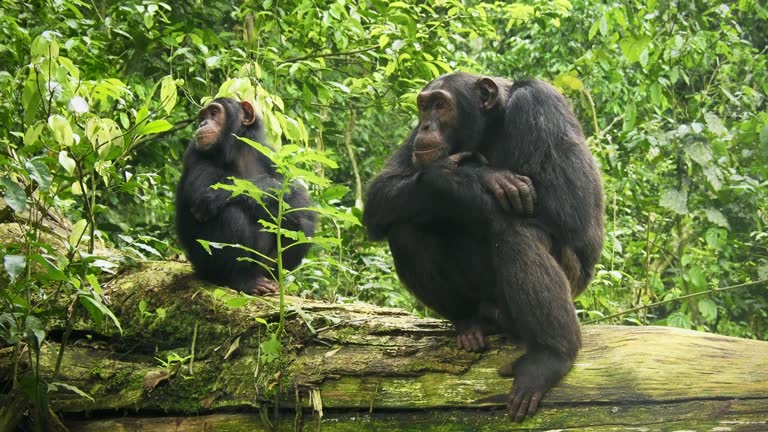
x=710 y=291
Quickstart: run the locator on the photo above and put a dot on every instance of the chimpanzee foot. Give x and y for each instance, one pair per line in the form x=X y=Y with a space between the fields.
x=261 y=286
x=471 y=336
x=523 y=402
x=535 y=373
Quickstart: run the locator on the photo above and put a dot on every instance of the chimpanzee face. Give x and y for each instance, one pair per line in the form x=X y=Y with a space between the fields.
x=215 y=123
x=211 y=123
x=453 y=110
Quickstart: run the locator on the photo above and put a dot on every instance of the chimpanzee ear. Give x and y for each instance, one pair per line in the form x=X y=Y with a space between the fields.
x=489 y=93
x=249 y=114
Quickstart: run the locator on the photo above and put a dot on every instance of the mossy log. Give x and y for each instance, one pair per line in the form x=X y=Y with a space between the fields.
x=362 y=368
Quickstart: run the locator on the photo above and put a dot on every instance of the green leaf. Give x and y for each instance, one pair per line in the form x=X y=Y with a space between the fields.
x=633 y=47
x=94 y=283
x=31 y=97
x=569 y=81
x=33 y=133
x=708 y=309
x=39 y=172
x=630 y=116
x=142 y=306
x=62 y=130
x=764 y=137
x=156 y=126
x=14 y=265
x=270 y=349
x=679 y=319
x=97 y=310
x=714 y=124
x=56 y=385
x=697 y=279
x=603 y=25
x=675 y=200
x=77 y=232
x=236 y=302
x=334 y=192
x=14 y=195
x=716 y=217
x=700 y=153
x=716 y=238
x=34 y=331
x=714 y=176
x=168 y=94
x=67 y=162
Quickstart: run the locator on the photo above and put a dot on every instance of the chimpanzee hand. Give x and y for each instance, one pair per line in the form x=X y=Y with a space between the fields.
x=458 y=159
x=514 y=192
x=206 y=208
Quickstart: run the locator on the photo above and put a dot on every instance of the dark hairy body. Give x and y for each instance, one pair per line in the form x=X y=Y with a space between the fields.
x=216 y=156
x=493 y=210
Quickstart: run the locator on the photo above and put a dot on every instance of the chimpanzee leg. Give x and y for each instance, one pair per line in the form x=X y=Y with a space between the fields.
x=234 y=225
x=535 y=304
x=450 y=271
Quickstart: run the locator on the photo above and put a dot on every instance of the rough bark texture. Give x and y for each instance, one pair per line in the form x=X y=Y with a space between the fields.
x=363 y=368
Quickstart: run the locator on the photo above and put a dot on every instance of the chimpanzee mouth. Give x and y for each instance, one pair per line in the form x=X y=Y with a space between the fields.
x=424 y=152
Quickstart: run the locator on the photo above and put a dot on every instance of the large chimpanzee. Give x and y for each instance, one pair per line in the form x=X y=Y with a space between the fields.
x=470 y=236
x=214 y=156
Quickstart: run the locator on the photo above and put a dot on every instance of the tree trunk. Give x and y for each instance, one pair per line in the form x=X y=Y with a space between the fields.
x=364 y=368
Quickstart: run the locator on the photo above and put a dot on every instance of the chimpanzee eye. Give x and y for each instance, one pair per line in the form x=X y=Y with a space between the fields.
x=439 y=105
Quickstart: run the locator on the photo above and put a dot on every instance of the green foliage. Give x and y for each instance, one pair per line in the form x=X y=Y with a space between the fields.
x=96 y=99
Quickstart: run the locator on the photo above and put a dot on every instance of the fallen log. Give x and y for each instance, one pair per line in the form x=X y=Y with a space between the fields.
x=199 y=366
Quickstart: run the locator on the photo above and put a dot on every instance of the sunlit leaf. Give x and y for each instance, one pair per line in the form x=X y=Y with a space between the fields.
x=168 y=94
x=14 y=265
x=32 y=134
x=714 y=124
x=633 y=47
x=675 y=200
x=66 y=162
x=77 y=232
x=62 y=130
x=716 y=216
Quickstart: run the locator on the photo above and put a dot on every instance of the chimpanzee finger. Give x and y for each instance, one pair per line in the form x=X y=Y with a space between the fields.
x=479 y=341
x=458 y=158
x=468 y=342
x=524 y=195
x=501 y=196
x=524 y=405
x=534 y=406
x=531 y=189
x=513 y=405
x=512 y=194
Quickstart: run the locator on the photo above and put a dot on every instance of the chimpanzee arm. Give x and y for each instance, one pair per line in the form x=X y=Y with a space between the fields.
x=205 y=202
x=442 y=191
x=545 y=143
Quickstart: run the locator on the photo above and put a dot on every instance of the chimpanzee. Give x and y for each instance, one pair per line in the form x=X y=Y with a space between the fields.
x=215 y=156
x=493 y=210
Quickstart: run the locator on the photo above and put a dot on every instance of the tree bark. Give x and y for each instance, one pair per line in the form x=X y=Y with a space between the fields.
x=363 y=368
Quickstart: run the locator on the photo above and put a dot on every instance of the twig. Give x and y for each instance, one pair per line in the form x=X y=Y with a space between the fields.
x=687 y=296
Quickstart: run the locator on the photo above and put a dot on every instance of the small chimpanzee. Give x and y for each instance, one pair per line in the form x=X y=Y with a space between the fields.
x=214 y=156
x=470 y=236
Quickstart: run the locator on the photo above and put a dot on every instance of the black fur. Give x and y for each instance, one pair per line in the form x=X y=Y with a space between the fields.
x=234 y=220
x=477 y=265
